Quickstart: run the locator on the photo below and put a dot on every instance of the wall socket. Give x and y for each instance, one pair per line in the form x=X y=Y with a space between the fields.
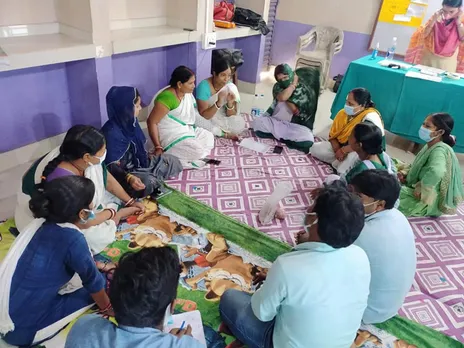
x=209 y=41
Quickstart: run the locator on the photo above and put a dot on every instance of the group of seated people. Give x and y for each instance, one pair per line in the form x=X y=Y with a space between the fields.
x=356 y=252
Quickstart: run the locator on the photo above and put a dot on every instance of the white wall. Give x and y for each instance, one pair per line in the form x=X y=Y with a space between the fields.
x=74 y=13
x=136 y=9
x=352 y=15
x=15 y=12
x=183 y=13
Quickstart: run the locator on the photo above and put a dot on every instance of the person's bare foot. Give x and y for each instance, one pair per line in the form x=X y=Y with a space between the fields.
x=231 y=136
x=280 y=214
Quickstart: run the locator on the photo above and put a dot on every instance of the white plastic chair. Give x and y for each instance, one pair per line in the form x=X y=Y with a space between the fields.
x=328 y=41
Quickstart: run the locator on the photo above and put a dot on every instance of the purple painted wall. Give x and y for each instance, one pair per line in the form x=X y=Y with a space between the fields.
x=285 y=41
x=34 y=105
x=104 y=75
x=253 y=52
x=83 y=92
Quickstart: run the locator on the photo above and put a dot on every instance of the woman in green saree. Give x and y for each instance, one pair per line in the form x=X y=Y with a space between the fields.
x=433 y=183
x=290 y=118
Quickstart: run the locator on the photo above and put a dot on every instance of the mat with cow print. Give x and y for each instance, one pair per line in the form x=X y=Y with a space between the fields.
x=218 y=253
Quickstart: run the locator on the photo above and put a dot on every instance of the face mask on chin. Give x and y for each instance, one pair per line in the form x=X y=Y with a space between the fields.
x=368 y=205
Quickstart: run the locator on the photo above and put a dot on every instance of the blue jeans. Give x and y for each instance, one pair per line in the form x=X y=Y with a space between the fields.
x=236 y=313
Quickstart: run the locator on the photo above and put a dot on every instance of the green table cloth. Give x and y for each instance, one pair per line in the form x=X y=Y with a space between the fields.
x=404 y=102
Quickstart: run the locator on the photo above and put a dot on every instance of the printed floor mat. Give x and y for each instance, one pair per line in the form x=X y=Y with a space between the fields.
x=239 y=186
x=218 y=253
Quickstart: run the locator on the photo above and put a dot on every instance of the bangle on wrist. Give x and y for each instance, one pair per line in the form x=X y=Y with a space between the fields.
x=107 y=308
x=159 y=147
x=128 y=178
x=230 y=108
x=129 y=202
x=216 y=105
x=112 y=212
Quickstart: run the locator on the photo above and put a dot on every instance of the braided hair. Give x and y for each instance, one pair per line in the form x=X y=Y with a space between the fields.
x=78 y=141
x=444 y=121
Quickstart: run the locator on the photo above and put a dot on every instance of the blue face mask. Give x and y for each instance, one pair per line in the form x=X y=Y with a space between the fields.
x=349 y=110
x=90 y=216
x=425 y=134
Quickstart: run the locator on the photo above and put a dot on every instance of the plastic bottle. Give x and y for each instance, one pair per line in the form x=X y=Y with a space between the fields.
x=261 y=104
x=375 y=52
x=392 y=49
x=255 y=110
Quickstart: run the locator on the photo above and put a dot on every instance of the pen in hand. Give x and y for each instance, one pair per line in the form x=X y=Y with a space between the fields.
x=181 y=327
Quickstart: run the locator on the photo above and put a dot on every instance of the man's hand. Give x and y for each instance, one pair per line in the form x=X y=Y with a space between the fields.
x=259 y=278
x=179 y=333
x=136 y=183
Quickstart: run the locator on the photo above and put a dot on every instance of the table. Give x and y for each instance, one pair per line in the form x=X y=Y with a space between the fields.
x=404 y=102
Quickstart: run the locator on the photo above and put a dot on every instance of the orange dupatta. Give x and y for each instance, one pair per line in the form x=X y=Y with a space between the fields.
x=418 y=43
x=343 y=125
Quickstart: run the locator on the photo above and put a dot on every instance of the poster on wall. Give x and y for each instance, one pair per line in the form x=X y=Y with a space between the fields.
x=403 y=12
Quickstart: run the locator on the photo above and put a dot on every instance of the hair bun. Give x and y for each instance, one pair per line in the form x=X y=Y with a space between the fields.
x=40 y=205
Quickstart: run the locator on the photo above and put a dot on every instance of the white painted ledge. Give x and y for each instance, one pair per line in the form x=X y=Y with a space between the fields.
x=36 y=50
x=137 y=39
x=225 y=34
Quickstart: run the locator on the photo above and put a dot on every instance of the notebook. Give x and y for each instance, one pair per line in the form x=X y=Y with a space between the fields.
x=191 y=318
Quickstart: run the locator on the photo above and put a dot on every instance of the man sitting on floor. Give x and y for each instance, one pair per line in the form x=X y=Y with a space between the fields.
x=388 y=240
x=314 y=296
x=142 y=293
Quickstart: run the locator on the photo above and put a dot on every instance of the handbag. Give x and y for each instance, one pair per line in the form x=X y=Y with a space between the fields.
x=224 y=11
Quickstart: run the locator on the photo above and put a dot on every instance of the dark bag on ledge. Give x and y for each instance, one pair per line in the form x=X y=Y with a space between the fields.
x=249 y=18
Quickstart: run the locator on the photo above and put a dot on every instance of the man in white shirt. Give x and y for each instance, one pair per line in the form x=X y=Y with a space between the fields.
x=314 y=296
x=388 y=240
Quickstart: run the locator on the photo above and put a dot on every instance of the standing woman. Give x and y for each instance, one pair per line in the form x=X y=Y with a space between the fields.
x=219 y=101
x=172 y=122
x=127 y=159
x=43 y=258
x=439 y=44
x=82 y=153
x=433 y=183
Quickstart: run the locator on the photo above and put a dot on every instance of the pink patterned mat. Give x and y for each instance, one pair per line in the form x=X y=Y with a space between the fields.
x=239 y=186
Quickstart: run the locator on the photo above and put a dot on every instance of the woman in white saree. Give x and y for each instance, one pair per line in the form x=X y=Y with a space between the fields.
x=173 y=125
x=219 y=101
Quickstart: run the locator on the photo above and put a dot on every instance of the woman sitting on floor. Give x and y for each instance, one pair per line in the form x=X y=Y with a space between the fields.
x=290 y=118
x=127 y=158
x=219 y=101
x=433 y=183
x=337 y=152
x=82 y=153
x=172 y=122
x=43 y=258
x=367 y=141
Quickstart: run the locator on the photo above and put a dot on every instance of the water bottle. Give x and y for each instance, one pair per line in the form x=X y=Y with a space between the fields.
x=392 y=49
x=375 y=52
x=255 y=110
x=261 y=103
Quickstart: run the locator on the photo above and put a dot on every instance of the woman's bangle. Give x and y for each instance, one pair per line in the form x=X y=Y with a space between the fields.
x=112 y=212
x=129 y=202
x=231 y=108
x=129 y=177
x=106 y=309
x=159 y=147
x=343 y=151
x=216 y=105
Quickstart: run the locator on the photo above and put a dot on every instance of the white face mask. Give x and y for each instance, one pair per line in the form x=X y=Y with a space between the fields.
x=101 y=160
x=368 y=205
x=307 y=227
x=168 y=317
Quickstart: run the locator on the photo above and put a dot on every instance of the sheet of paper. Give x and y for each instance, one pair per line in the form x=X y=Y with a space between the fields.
x=401 y=18
x=415 y=10
x=191 y=318
x=422 y=2
x=254 y=145
x=418 y=75
x=424 y=67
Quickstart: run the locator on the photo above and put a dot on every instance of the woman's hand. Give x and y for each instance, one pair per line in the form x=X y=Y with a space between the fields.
x=295 y=80
x=158 y=151
x=136 y=183
x=179 y=333
x=438 y=16
x=401 y=177
x=230 y=98
x=460 y=17
x=139 y=206
x=222 y=97
x=340 y=155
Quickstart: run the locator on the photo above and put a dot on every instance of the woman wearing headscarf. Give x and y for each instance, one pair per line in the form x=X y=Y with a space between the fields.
x=127 y=158
x=440 y=42
x=290 y=118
